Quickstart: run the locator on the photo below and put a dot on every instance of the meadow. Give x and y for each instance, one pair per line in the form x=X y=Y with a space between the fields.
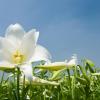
x=81 y=82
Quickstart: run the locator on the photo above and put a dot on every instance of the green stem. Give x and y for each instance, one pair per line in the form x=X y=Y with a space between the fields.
x=23 y=92
x=18 y=75
x=2 y=78
x=14 y=77
x=44 y=97
x=58 y=95
x=69 y=78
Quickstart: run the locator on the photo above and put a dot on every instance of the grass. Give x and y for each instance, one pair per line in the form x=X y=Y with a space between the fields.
x=79 y=83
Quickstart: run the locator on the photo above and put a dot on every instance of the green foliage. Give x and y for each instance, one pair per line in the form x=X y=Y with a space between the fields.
x=79 y=83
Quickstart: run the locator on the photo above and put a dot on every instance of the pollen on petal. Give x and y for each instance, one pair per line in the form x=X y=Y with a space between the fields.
x=18 y=57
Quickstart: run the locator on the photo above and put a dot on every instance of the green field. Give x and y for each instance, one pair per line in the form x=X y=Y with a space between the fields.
x=81 y=82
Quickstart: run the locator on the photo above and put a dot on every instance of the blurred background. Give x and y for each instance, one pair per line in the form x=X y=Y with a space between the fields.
x=66 y=26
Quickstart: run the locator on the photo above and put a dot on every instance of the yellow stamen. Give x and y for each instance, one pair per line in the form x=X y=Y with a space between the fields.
x=18 y=57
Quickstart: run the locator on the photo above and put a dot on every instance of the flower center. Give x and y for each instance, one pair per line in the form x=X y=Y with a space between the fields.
x=18 y=57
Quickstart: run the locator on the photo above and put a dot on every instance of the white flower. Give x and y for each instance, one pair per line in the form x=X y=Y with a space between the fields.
x=20 y=48
x=55 y=66
x=73 y=61
x=39 y=81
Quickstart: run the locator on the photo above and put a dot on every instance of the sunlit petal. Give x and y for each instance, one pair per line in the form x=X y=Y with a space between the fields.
x=1 y=56
x=73 y=61
x=28 y=44
x=15 y=33
x=27 y=70
x=41 y=53
x=5 y=65
x=7 y=48
x=36 y=34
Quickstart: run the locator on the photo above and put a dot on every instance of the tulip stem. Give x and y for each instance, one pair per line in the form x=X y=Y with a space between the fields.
x=18 y=75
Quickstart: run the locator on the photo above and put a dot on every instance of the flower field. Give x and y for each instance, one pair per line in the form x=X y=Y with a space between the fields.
x=81 y=82
x=29 y=74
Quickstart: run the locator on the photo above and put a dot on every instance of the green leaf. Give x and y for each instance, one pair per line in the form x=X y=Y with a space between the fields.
x=7 y=69
x=84 y=73
x=89 y=62
x=90 y=65
x=73 y=88
x=81 y=80
x=57 y=74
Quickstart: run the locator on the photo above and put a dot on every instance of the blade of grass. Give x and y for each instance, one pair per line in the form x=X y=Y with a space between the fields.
x=2 y=78
x=18 y=78
x=84 y=74
x=73 y=87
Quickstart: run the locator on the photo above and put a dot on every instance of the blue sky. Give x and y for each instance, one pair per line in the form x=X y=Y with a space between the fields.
x=66 y=26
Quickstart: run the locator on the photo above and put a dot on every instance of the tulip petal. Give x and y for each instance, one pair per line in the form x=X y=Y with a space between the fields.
x=15 y=33
x=41 y=53
x=28 y=44
x=27 y=70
